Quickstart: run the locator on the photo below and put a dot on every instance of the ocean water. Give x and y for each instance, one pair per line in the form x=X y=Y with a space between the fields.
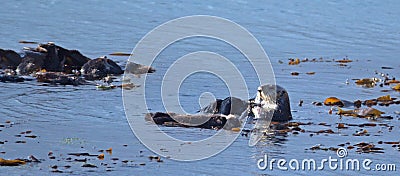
x=81 y=119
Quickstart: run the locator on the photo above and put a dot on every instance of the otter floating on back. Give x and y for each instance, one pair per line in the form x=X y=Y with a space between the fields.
x=268 y=97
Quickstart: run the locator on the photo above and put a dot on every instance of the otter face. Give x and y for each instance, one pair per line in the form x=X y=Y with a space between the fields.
x=265 y=102
x=272 y=98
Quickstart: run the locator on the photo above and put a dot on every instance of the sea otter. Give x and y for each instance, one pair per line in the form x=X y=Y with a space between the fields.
x=52 y=58
x=9 y=59
x=236 y=106
x=229 y=113
x=60 y=59
x=100 y=68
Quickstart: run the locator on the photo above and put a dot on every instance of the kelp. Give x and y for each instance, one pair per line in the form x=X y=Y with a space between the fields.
x=362 y=112
x=333 y=101
x=12 y=162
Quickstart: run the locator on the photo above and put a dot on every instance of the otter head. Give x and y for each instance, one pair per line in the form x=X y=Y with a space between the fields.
x=272 y=98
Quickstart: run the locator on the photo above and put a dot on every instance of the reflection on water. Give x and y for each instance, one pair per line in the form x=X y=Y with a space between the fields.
x=366 y=32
